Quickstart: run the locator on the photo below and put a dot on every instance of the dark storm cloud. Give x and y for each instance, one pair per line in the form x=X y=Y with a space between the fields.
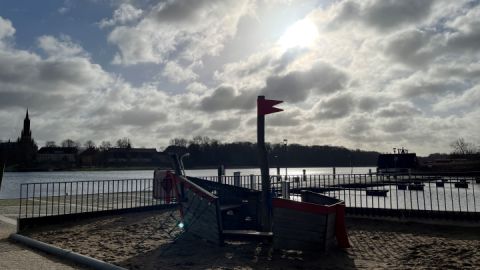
x=297 y=86
x=225 y=98
x=383 y=14
x=336 y=107
x=224 y=124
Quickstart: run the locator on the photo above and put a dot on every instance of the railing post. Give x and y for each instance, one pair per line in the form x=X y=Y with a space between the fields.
x=252 y=181
x=285 y=190
x=220 y=173
x=236 y=179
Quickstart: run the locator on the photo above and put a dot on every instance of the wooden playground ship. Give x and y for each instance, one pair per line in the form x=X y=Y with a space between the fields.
x=214 y=212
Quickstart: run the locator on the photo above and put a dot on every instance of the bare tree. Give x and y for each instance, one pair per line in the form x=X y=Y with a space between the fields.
x=69 y=143
x=124 y=143
x=461 y=147
x=50 y=144
x=89 y=144
x=105 y=145
x=179 y=142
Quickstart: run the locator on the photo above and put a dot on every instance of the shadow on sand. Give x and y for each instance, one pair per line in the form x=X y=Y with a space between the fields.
x=189 y=252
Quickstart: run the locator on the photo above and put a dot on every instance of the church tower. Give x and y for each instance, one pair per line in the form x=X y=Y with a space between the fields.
x=26 y=132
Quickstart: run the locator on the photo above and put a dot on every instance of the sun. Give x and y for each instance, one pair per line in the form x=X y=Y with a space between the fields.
x=301 y=34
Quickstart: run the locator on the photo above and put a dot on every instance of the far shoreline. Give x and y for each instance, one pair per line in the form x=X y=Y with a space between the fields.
x=103 y=169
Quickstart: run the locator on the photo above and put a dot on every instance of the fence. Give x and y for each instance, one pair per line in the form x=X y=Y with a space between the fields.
x=397 y=194
x=75 y=197
x=361 y=192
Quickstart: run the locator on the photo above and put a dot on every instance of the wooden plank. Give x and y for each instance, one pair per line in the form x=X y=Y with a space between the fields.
x=248 y=233
x=313 y=197
x=201 y=213
x=227 y=207
x=295 y=216
x=302 y=206
x=297 y=226
x=330 y=226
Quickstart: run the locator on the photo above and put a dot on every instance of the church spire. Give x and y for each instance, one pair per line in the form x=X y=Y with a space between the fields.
x=26 y=132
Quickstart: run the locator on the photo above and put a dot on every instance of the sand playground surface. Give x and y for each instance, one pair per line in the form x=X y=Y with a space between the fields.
x=151 y=240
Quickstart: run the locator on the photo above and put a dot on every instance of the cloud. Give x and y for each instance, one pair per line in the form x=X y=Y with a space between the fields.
x=411 y=47
x=397 y=125
x=224 y=124
x=297 y=86
x=378 y=71
x=382 y=15
x=398 y=109
x=285 y=119
x=417 y=87
x=140 y=117
x=6 y=29
x=226 y=98
x=63 y=47
x=123 y=14
x=335 y=107
x=175 y=73
x=187 y=29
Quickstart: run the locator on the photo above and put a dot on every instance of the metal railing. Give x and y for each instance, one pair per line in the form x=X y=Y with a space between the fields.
x=446 y=194
x=74 y=197
x=452 y=194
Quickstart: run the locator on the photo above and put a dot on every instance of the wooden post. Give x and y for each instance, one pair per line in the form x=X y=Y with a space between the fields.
x=264 y=169
x=265 y=106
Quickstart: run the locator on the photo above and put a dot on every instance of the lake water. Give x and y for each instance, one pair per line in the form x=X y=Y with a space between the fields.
x=431 y=197
x=12 y=180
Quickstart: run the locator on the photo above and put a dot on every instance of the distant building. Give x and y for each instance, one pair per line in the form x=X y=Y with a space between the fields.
x=397 y=162
x=89 y=157
x=58 y=155
x=134 y=157
x=23 y=151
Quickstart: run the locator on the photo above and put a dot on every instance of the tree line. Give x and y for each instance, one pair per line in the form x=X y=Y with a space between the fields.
x=207 y=152
x=89 y=144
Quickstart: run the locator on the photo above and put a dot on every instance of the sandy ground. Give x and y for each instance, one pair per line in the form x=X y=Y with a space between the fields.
x=150 y=240
x=18 y=257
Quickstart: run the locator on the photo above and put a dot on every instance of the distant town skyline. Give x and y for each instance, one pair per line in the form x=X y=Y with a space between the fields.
x=371 y=74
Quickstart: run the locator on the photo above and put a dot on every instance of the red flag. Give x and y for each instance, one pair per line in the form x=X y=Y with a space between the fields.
x=265 y=106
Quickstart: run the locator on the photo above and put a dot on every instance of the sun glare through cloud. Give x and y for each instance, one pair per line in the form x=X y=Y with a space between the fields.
x=301 y=34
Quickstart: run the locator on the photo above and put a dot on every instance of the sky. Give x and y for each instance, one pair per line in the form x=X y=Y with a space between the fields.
x=364 y=74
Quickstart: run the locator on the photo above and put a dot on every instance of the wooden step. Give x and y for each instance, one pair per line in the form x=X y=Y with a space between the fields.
x=247 y=234
x=227 y=207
